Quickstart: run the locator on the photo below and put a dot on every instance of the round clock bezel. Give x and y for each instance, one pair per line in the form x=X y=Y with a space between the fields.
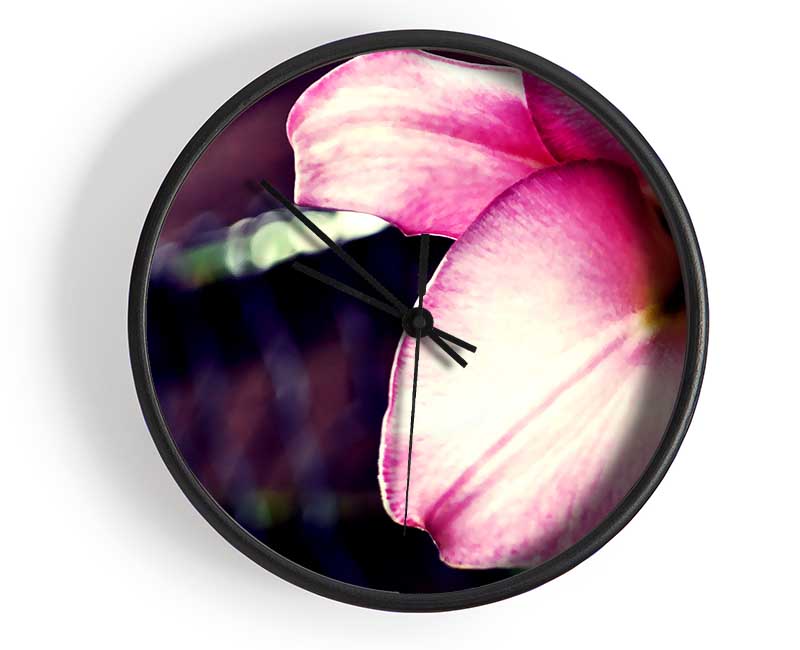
x=680 y=227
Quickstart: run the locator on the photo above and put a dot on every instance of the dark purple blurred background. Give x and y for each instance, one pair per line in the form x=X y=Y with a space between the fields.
x=274 y=386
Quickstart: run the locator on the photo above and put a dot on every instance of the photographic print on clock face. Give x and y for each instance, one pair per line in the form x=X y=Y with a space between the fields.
x=541 y=246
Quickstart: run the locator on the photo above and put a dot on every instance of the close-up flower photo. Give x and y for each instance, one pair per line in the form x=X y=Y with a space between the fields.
x=289 y=395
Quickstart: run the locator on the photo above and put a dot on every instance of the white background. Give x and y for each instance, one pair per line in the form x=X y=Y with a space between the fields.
x=99 y=547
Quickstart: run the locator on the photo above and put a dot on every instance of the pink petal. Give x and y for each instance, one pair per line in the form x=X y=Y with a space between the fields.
x=422 y=141
x=568 y=129
x=526 y=450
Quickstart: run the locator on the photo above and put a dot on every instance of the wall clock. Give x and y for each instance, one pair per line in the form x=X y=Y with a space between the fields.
x=418 y=320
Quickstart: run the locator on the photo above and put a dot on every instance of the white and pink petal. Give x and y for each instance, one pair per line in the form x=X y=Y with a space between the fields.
x=560 y=284
x=422 y=141
x=570 y=131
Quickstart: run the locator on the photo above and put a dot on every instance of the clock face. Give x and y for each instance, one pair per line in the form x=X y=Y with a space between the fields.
x=417 y=226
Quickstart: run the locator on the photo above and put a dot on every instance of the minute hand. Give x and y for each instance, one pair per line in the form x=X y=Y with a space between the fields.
x=347 y=259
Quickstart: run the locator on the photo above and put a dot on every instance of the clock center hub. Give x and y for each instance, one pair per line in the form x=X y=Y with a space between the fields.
x=419 y=320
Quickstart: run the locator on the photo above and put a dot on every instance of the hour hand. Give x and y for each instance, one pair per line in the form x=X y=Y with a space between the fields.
x=436 y=334
x=354 y=293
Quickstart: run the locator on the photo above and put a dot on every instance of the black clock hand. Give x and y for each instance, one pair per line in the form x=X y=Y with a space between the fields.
x=347 y=259
x=422 y=272
x=341 y=286
x=422 y=281
x=374 y=302
x=411 y=427
x=435 y=334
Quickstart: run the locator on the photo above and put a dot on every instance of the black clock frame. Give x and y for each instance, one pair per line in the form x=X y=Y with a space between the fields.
x=680 y=227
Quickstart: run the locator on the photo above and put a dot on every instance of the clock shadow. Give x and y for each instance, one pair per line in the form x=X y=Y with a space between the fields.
x=89 y=303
